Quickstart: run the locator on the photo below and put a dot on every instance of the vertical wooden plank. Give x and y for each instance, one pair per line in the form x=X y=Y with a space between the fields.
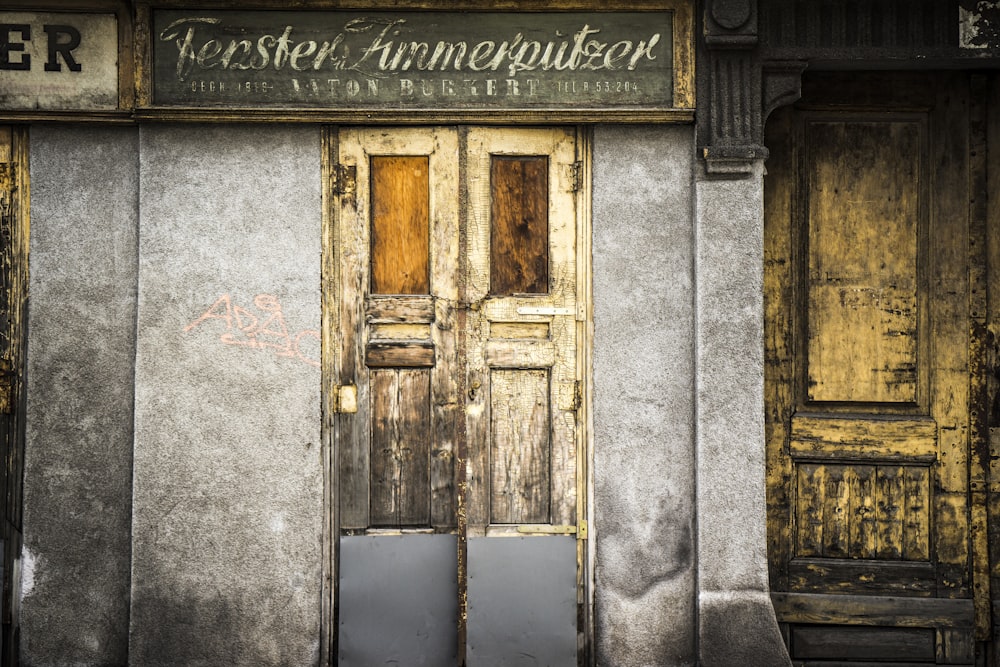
x=6 y=148
x=810 y=501
x=447 y=414
x=916 y=522
x=864 y=528
x=863 y=180
x=400 y=225
x=352 y=430
x=519 y=446
x=519 y=229
x=400 y=448
x=836 y=512
x=889 y=511
x=414 y=447
x=993 y=325
x=384 y=484
x=950 y=319
x=979 y=398
x=779 y=322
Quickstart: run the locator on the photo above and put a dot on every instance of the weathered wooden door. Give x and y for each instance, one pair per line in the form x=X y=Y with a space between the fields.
x=13 y=315
x=458 y=395
x=875 y=309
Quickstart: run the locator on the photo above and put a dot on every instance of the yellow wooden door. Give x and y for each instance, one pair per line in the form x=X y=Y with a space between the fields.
x=458 y=394
x=872 y=265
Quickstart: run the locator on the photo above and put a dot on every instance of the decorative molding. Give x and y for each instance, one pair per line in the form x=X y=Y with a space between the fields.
x=782 y=84
x=730 y=133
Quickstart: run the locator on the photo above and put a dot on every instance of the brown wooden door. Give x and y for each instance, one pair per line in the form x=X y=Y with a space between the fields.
x=459 y=390
x=875 y=300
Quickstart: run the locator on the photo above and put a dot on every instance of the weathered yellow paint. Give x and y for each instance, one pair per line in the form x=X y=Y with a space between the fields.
x=557 y=354
x=400 y=331
x=838 y=437
x=862 y=283
x=874 y=285
x=519 y=329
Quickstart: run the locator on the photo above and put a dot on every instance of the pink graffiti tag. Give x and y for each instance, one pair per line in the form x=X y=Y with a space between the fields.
x=263 y=330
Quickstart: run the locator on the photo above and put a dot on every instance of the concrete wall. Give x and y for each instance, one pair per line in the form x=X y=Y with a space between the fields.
x=643 y=401
x=228 y=490
x=173 y=491
x=736 y=621
x=81 y=351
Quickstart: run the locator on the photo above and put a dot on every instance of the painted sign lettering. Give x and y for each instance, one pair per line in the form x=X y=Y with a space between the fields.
x=428 y=59
x=58 y=61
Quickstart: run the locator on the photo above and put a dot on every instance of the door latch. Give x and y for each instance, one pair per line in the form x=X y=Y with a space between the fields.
x=345 y=399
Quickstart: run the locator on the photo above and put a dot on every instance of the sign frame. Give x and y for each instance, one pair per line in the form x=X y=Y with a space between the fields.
x=683 y=74
x=122 y=12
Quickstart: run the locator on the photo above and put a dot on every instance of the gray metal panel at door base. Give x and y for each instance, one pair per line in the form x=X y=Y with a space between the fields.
x=398 y=600
x=522 y=601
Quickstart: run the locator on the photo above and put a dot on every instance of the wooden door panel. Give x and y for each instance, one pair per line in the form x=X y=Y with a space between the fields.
x=868 y=258
x=400 y=224
x=523 y=332
x=879 y=512
x=862 y=182
x=398 y=255
x=520 y=486
x=400 y=447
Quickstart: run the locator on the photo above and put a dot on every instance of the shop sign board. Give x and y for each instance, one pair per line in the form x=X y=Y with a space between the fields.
x=53 y=61
x=409 y=60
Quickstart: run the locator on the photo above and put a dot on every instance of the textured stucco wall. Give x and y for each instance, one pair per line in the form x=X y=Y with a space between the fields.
x=736 y=619
x=175 y=272
x=81 y=347
x=228 y=482
x=643 y=402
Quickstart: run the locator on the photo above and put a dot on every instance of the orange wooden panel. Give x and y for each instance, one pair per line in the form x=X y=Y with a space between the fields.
x=519 y=249
x=400 y=225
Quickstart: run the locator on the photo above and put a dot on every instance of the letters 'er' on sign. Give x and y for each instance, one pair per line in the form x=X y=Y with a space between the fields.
x=58 y=62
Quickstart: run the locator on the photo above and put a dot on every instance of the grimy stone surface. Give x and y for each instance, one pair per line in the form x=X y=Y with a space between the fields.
x=173 y=488
x=228 y=491
x=643 y=413
x=78 y=453
x=736 y=618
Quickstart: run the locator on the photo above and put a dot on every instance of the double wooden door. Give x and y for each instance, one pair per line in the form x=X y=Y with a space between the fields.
x=876 y=379
x=458 y=394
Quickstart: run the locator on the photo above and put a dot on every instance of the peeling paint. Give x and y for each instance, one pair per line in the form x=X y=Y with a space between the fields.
x=979 y=24
x=28 y=562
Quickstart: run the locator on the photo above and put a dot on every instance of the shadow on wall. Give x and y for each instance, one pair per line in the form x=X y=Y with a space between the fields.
x=185 y=628
x=194 y=627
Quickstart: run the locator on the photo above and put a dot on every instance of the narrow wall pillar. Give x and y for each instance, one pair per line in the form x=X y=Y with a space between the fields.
x=737 y=625
x=643 y=405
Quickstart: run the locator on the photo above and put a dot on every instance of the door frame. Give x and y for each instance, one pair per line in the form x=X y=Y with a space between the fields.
x=982 y=325
x=333 y=400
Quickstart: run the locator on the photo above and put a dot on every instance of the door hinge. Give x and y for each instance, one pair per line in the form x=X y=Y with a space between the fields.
x=344 y=180
x=576 y=175
x=345 y=399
